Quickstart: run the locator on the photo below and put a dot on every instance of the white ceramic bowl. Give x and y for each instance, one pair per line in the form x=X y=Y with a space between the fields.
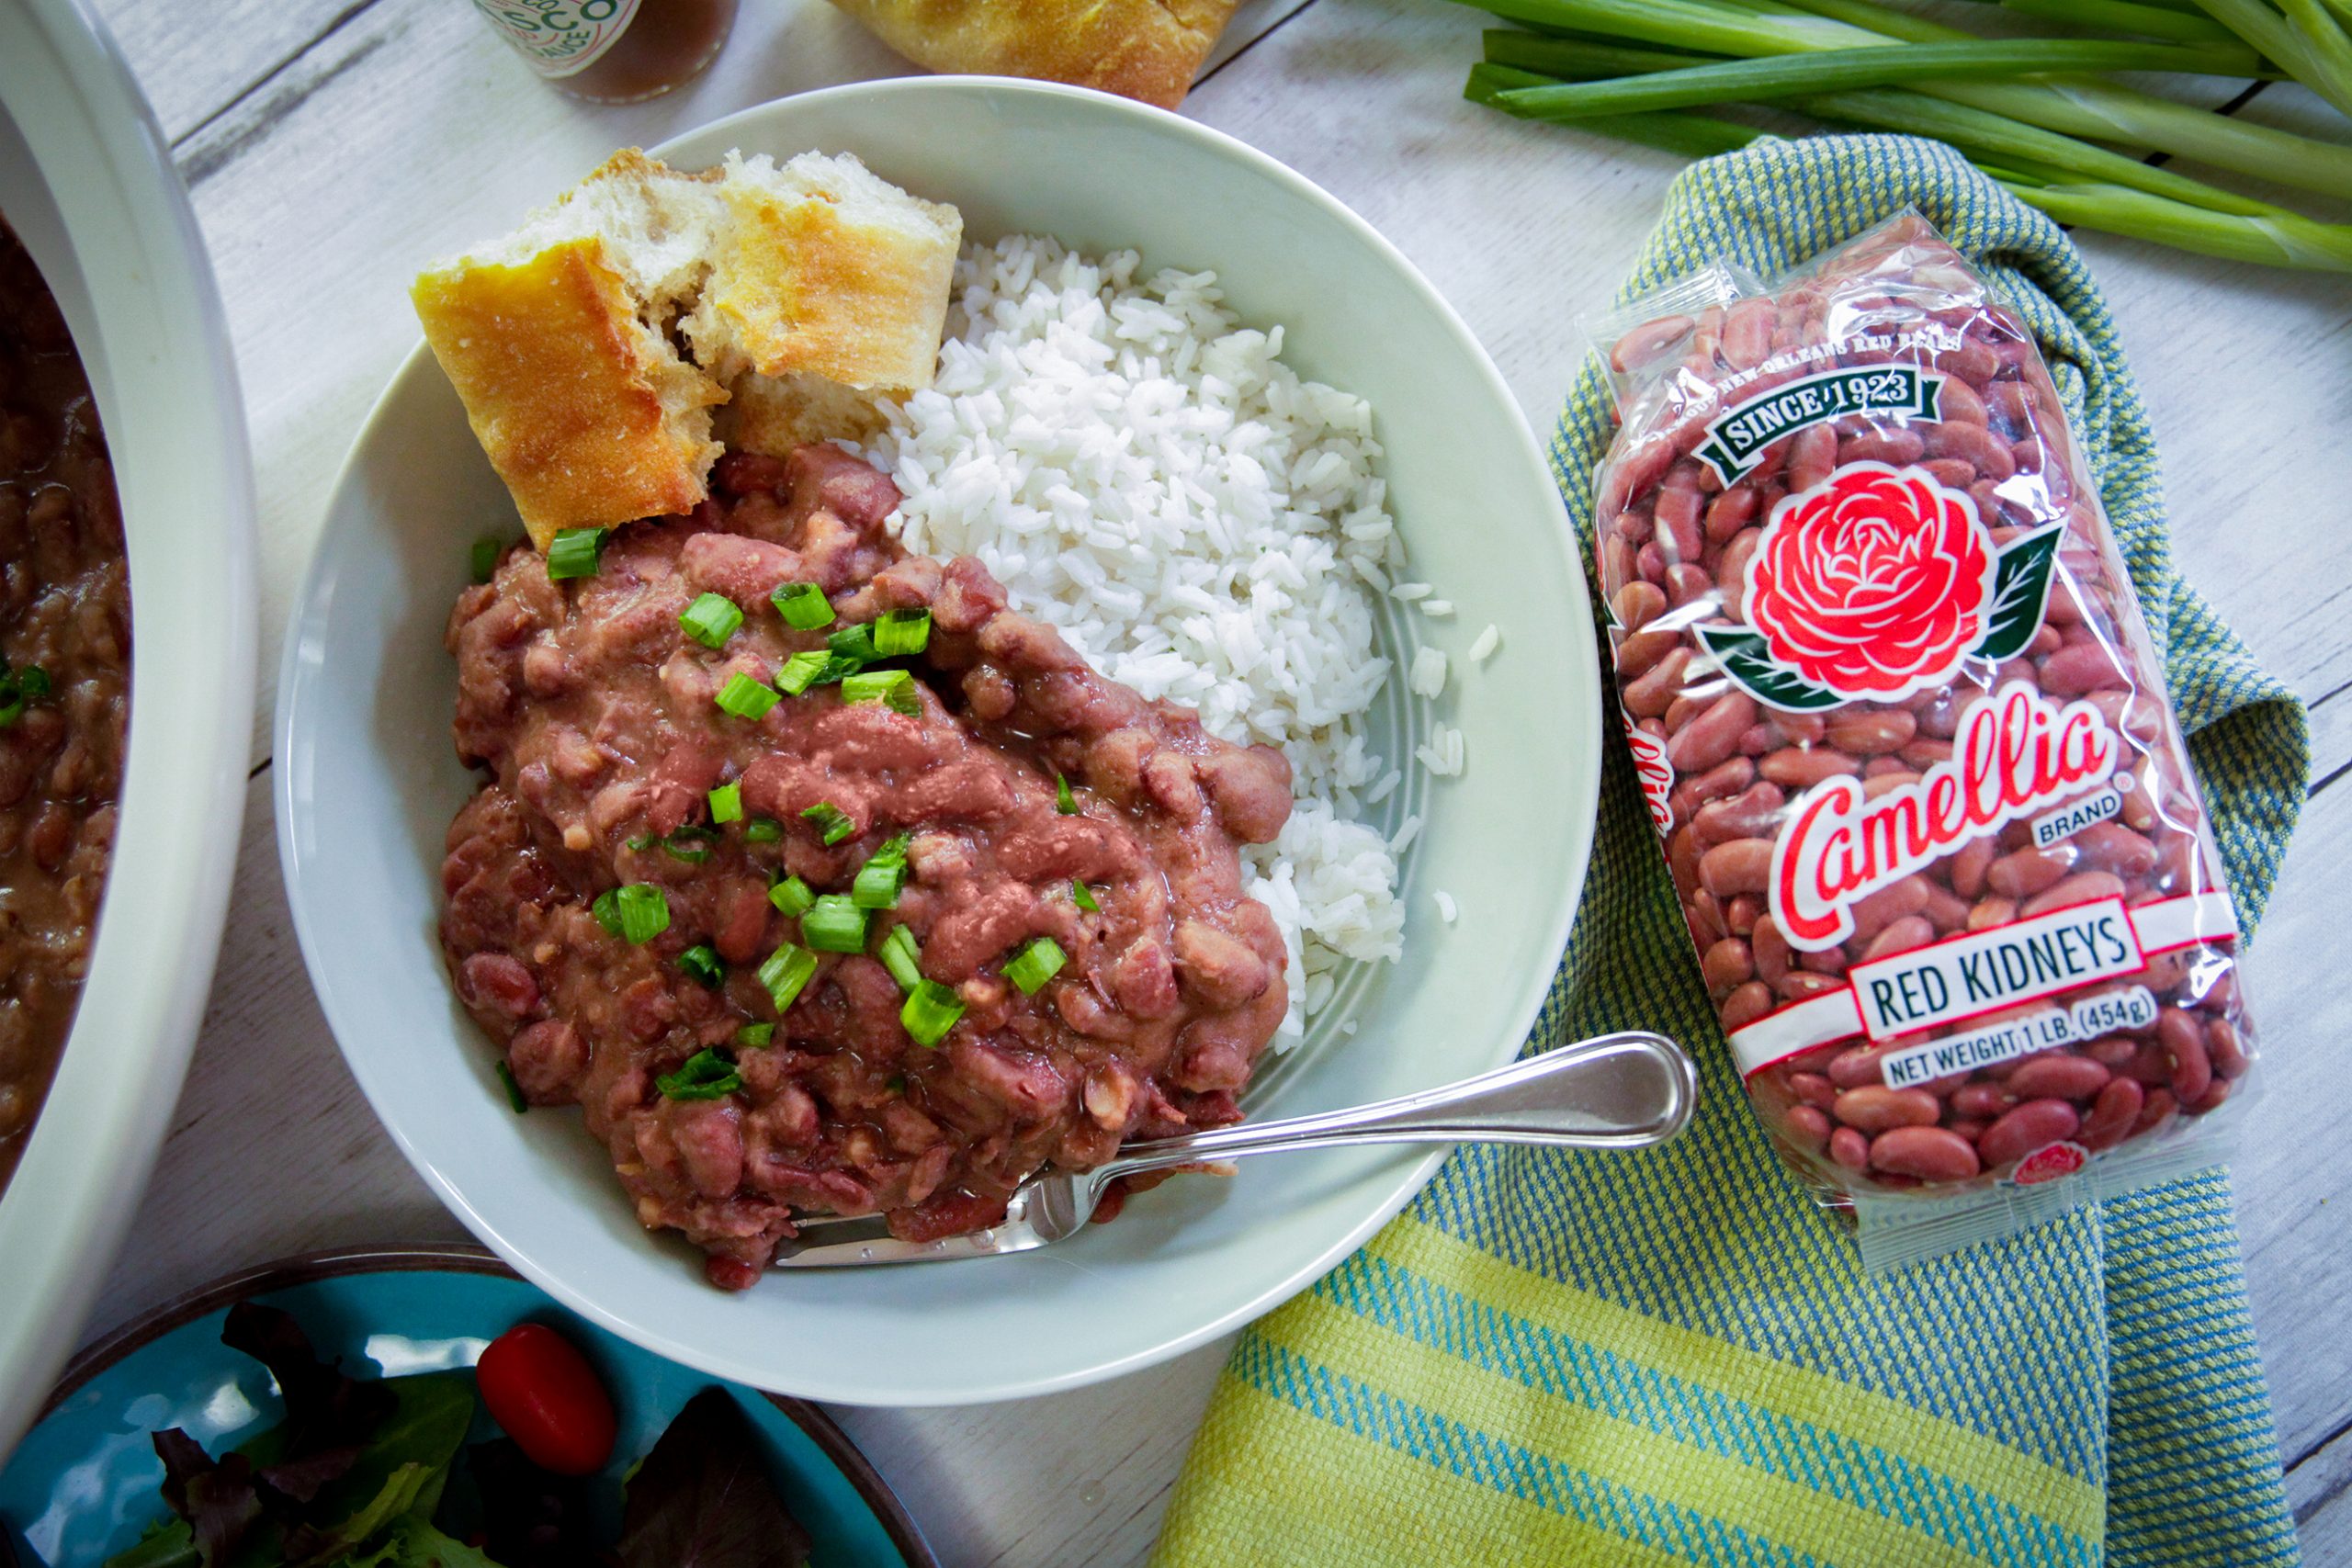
x=86 y=180
x=368 y=784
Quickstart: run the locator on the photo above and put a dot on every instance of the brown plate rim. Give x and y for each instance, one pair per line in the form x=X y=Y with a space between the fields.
x=338 y=1262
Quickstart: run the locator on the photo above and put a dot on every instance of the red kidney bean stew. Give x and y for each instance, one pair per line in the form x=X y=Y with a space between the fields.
x=1905 y=739
x=65 y=685
x=824 y=882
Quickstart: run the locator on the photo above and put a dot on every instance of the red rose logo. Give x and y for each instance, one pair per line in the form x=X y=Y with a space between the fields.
x=2049 y=1163
x=1874 y=585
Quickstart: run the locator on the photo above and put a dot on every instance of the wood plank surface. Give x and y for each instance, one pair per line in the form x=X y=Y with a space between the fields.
x=333 y=145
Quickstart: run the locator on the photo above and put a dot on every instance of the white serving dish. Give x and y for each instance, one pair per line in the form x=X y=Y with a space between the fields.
x=367 y=782
x=86 y=180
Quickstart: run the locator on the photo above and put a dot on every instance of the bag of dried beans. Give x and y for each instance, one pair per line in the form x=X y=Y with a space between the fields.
x=1905 y=740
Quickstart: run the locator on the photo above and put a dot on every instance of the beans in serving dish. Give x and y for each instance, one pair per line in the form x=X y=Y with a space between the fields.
x=826 y=883
x=64 y=687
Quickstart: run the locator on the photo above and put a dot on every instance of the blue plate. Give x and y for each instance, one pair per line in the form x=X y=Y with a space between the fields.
x=82 y=1485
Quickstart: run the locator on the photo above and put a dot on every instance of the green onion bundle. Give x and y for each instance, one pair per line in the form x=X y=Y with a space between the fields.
x=2031 y=111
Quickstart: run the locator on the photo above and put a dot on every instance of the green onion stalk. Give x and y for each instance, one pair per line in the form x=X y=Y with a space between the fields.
x=2126 y=17
x=1669 y=82
x=2305 y=41
x=2275 y=238
x=2072 y=106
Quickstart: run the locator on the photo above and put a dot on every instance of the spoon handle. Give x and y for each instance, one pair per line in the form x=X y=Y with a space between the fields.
x=1613 y=1091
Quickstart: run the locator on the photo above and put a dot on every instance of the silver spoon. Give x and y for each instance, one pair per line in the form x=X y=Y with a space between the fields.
x=1613 y=1091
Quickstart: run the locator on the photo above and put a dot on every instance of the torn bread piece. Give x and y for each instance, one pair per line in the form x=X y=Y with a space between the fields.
x=1144 y=48
x=556 y=340
x=825 y=268
x=776 y=413
x=590 y=345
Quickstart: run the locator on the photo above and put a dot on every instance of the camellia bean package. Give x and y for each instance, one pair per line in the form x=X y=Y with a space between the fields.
x=1904 y=735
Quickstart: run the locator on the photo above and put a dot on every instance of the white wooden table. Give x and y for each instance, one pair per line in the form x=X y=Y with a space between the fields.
x=333 y=145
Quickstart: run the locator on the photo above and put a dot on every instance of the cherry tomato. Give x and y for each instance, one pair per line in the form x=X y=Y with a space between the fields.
x=544 y=1394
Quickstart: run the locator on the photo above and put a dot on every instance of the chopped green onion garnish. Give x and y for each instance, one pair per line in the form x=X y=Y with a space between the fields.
x=894 y=687
x=830 y=821
x=707 y=1075
x=1064 y=801
x=803 y=606
x=931 y=1011
x=18 y=687
x=1036 y=963
x=834 y=924
x=711 y=620
x=690 y=843
x=608 y=910
x=792 y=897
x=700 y=963
x=727 y=802
x=640 y=844
x=902 y=631
x=803 y=670
x=755 y=1034
x=1085 y=896
x=854 y=642
x=644 y=912
x=746 y=698
x=878 y=884
x=902 y=957
x=787 y=970
x=763 y=830
x=574 y=552
x=486 y=553
x=514 y=1090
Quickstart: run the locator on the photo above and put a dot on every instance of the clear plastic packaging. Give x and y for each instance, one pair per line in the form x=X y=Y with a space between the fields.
x=1906 y=741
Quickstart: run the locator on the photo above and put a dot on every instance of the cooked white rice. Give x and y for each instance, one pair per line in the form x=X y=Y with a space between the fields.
x=1146 y=474
x=1428 y=675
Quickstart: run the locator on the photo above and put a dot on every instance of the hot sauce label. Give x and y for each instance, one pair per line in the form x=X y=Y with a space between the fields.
x=559 y=38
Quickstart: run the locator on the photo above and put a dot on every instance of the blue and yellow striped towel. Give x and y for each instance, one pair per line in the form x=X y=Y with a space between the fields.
x=1670 y=1356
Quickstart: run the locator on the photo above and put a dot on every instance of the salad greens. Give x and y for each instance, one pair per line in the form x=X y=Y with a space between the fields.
x=702 y=1500
x=377 y=1473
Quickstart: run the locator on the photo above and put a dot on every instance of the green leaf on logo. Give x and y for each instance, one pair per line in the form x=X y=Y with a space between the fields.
x=2021 y=590
x=1741 y=653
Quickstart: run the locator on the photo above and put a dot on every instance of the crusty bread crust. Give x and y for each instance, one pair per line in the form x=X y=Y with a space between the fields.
x=1142 y=48
x=808 y=285
x=589 y=415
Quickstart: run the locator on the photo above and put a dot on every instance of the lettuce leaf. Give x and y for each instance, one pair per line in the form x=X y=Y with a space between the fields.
x=702 y=1498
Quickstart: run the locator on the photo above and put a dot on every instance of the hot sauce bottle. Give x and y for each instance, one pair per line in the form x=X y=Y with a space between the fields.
x=613 y=52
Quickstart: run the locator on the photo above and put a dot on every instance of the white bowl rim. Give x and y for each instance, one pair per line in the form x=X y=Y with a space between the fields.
x=159 y=924
x=1397 y=1182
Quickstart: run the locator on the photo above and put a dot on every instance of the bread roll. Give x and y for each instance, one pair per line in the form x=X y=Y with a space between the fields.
x=1142 y=48
x=825 y=268
x=553 y=338
x=802 y=282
